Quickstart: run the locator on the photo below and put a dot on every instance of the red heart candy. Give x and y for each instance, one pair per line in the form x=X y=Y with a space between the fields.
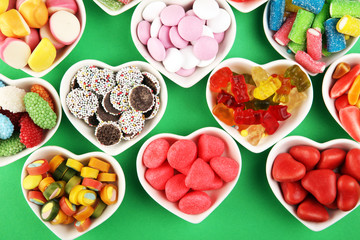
x=331 y=158
x=287 y=169
x=351 y=166
x=293 y=192
x=348 y=193
x=311 y=210
x=307 y=155
x=200 y=176
x=321 y=183
x=350 y=120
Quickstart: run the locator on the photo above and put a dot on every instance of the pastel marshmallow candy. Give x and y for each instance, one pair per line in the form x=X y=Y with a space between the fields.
x=58 y=5
x=153 y=10
x=34 y=12
x=173 y=60
x=65 y=27
x=15 y=52
x=45 y=32
x=32 y=39
x=164 y=36
x=190 y=28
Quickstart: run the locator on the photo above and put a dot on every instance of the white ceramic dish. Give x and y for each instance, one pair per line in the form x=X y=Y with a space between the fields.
x=240 y=65
x=117 y=12
x=284 y=146
x=217 y=196
x=328 y=82
x=64 y=52
x=26 y=83
x=69 y=231
x=283 y=50
x=246 y=7
x=88 y=132
x=199 y=73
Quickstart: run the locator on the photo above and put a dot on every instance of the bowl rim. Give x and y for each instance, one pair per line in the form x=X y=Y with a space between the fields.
x=246 y=7
x=120 y=11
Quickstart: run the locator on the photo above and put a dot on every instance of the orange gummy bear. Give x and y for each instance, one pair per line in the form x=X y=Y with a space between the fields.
x=224 y=114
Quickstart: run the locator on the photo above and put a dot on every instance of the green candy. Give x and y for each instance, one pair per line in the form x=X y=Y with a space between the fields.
x=40 y=111
x=303 y=21
x=294 y=47
x=298 y=78
x=11 y=146
x=321 y=18
x=113 y=5
x=339 y=8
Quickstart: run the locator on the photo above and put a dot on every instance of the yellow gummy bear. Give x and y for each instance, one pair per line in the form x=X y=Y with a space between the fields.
x=267 y=88
x=4 y=4
x=12 y=24
x=43 y=56
x=34 y=12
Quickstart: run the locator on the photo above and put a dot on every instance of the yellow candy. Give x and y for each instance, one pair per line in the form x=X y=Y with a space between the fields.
x=34 y=12
x=74 y=164
x=88 y=172
x=3 y=5
x=289 y=7
x=86 y=197
x=349 y=25
x=31 y=181
x=73 y=196
x=267 y=88
x=43 y=56
x=12 y=24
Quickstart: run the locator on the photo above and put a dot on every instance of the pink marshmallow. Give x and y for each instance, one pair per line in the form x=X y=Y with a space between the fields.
x=155 y=153
x=175 y=188
x=65 y=27
x=32 y=39
x=195 y=202
x=66 y=5
x=46 y=33
x=15 y=52
x=210 y=147
x=157 y=177
x=182 y=153
x=200 y=176
x=226 y=168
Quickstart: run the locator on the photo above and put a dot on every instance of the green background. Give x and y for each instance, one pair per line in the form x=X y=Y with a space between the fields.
x=250 y=211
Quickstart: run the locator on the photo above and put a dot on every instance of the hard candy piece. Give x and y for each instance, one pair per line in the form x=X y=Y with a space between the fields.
x=6 y=127
x=348 y=193
x=331 y=158
x=312 y=210
x=351 y=166
x=11 y=146
x=287 y=169
x=12 y=99
x=293 y=192
x=307 y=155
x=157 y=177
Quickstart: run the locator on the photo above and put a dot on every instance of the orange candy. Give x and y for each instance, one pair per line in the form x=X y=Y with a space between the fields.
x=224 y=114
x=43 y=93
x=108 y=194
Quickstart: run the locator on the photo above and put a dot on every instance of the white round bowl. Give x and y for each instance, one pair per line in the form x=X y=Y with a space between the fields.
x=26 y=83
x=217 y=196
x=200 y=72
x=89 y=132
x=69 y=231
x=240 y=65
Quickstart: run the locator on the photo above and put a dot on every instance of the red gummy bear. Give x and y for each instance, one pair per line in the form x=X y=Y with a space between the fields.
x=220 y=79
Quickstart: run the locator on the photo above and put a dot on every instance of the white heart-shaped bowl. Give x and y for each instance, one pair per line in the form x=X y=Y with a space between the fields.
x=328 y=82
x=69 y=231
x=199 y=73
x=284 y=146
x=248 y=6
x=240 y=65
x=282 y=50
x=217 y=196
x=88 y=132
x=26 y=83
x=117 y=12
x=64 y=52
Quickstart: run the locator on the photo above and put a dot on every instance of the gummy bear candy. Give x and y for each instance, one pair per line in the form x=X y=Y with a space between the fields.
x=254 y=134
x=267 y=88
x=298 y=78
x=269 y=123
x=249 y=79
x=239 y=88
x=279 y=112
x=220 y=79
x=295 y=98
x=224 y=114
x=250 y=89
x=248 y=116
x=259 y=75
x=228 y=100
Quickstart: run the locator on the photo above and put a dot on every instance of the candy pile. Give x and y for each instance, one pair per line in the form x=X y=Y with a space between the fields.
x=33 y=31
x=255 y=103
x=307 y=23
x=183 y=39
x=346 y=91
x=185 y=170
x=114 y=5
x=115 y=103
x=68 y=190
x=24 y=117
x=316 y=181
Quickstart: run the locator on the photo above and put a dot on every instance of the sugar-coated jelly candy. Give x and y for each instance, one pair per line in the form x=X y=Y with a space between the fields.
x=339 y=8
x=277 y=10
x=321 y=17
x=302 y=22
x=349 y=25
x=267 y=88
x=282 y=35
x=340 y=70
x=298 y=78
x=305 y=60
x=314 y=6
x=224 y=114
x=239 y=88
x=295 y=99
x=220 y=79
x=259 y=74
x=335 y=41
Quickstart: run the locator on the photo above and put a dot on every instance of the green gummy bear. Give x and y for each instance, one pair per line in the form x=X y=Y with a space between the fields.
x=298 y=78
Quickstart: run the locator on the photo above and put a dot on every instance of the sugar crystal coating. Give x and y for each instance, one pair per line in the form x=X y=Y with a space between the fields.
x=11 y=146
x=11 y=98
x=6 y=127
x=40 y=111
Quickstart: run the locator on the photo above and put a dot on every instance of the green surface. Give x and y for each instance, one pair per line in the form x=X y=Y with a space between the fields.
x=251 y=211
